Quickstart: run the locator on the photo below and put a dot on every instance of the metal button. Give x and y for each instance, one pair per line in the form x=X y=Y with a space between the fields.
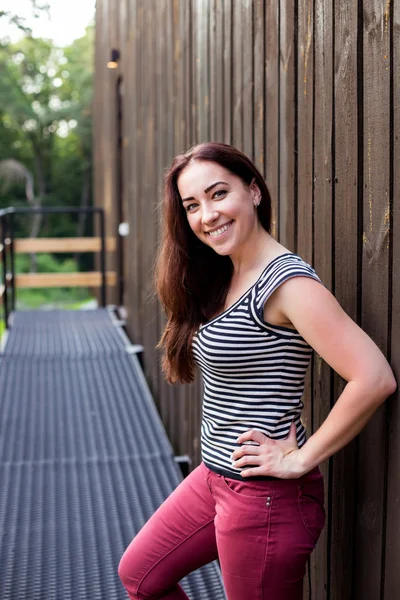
x=268 y=503
x=269 y=498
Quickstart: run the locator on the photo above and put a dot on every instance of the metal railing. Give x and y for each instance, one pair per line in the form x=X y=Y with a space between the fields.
x=10 y=245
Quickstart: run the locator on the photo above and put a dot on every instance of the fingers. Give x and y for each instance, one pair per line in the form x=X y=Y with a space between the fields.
x=267 y=457
x=252 y=435
x=256 y=472
x=243 y=450
x=247 y=460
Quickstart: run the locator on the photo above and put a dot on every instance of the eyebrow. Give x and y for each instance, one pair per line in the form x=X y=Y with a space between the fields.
x=208 y=189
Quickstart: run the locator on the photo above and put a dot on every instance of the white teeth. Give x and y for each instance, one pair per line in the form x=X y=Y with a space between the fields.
x=219 y=231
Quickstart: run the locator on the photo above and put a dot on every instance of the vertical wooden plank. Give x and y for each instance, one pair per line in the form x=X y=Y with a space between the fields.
x=150 y=193
x=305 y=168
x=191 y=394
x=345 y=275
x=186 y=57
x=183 y=109
x=203 y=78
x=124 y=73
x=123 y=26
x=220 y=73
x=180 y=94
x=169 y=107
x=127 y=166
x=287 y=227
x=144 y=189
x=305 y=130
x=177 y=407
x=110 y=140
x=392 y=554
x=272 y=108
x=185 y=33
x=375 y=272
x=203 y=68
x=160 y=156
x=305 y=153
x=247 y=77
x=259 y=85
x=194 y=72
x=322 y=250
x=228 y=86
x=98 y=105
x=138 y=137
x=130 y=110
x=237 y=76
x=214 y=68
x=217 y=70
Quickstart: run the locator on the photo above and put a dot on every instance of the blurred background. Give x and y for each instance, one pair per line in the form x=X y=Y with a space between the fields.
x=46 y=90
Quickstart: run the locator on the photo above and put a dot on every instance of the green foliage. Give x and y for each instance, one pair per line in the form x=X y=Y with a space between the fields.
x=37 y=9
x=46 y=263
x=46 y=123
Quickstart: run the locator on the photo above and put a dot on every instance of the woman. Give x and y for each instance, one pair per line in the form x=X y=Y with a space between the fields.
x=248 y=312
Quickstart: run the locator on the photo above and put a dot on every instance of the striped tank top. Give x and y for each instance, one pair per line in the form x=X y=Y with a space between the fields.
x=253 y=371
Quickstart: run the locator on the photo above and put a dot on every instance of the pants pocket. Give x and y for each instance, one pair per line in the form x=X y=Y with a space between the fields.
x=249 y=492
x=311 y=507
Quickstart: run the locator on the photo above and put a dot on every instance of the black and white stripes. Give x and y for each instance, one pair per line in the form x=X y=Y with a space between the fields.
x=253 y=371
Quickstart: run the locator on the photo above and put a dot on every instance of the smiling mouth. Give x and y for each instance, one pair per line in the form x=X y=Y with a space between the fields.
x=220 y=231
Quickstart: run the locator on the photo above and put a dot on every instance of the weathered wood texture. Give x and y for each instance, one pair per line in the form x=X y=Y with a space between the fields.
x=310 y=91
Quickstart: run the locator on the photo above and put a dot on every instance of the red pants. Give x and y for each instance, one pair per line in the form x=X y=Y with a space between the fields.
x=262 y=532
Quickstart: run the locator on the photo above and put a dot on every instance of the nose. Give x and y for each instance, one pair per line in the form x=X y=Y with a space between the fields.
x=209 y=215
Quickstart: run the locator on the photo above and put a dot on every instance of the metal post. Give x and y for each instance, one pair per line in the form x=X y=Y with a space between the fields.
x=103 y=258
x=3 y=241
x=12 y=261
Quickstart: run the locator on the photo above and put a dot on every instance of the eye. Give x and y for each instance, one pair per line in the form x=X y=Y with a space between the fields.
x=219 y=193
x=189 y=207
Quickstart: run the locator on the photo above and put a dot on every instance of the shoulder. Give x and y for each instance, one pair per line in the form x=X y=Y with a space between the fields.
x=326 y=327
x=283 y=267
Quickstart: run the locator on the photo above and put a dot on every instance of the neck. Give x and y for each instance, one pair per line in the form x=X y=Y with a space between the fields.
x=250 y=257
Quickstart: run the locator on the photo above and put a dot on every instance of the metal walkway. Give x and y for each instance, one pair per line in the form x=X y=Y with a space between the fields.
x=84 y=459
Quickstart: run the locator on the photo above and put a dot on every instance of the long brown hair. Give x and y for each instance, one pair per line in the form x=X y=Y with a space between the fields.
x=192 y=280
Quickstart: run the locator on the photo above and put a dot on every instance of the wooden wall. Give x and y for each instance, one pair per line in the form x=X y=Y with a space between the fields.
x=311 y=91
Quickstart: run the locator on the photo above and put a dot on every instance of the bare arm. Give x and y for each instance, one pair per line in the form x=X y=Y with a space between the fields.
x=319 y=318
x=322 y=322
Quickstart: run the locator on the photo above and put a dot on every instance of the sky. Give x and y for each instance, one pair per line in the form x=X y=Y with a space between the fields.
x=68 y=19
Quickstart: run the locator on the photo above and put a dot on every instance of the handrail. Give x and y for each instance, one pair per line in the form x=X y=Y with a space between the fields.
x=10 y=246
x=47 y=280
x=19 y=210
x=62 y=245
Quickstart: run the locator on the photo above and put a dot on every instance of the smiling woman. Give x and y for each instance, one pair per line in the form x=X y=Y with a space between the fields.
x=249 y=313
x=216 y=207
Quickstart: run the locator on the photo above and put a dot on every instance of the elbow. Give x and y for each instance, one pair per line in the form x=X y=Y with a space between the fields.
x=387 y=386
x=391 y=385
x=379 y=386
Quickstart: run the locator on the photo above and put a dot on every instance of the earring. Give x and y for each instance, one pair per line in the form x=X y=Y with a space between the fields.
x=256 y=204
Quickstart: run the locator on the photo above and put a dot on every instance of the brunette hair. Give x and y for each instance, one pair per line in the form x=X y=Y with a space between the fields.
x=192 y=280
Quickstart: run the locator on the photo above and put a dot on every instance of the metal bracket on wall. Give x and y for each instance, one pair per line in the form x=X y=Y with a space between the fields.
x=184 y=461
x=134 y=349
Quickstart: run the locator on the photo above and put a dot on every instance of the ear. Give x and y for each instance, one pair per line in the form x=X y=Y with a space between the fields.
x=255 y=192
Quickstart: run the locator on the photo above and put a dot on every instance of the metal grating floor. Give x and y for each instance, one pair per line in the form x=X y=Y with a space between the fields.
x=84 y=459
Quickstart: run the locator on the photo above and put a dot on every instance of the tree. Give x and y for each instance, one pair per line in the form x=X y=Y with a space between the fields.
x=37 y=10
x=46 y=117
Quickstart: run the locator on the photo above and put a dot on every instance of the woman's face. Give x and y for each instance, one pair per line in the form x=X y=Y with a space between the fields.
x=220 y=208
